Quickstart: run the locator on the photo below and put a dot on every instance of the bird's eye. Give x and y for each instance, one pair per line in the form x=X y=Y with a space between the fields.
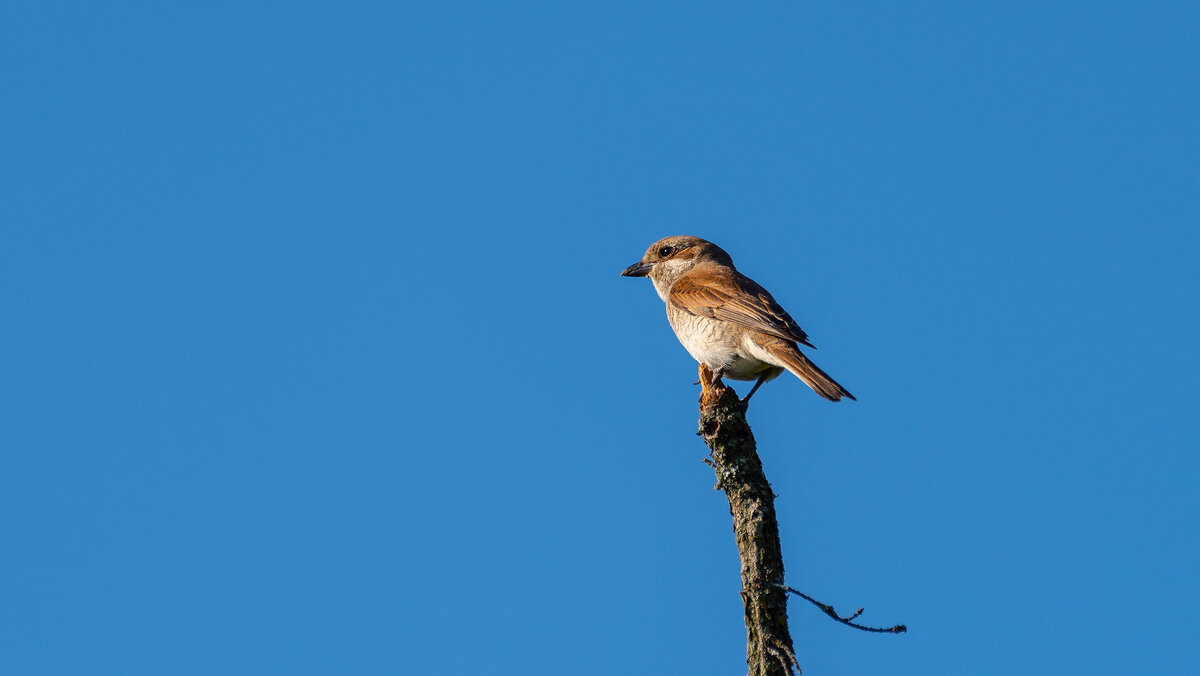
x=665 y=251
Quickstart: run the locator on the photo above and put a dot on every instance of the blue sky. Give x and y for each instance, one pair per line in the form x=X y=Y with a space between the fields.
x=316 y=359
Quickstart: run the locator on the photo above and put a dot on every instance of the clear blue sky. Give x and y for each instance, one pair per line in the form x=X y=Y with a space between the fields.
x=316 y=360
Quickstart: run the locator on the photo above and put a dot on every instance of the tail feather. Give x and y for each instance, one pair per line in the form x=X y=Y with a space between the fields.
x=793 y=360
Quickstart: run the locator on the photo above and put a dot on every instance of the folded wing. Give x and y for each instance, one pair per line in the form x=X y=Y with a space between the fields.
x=730 y=296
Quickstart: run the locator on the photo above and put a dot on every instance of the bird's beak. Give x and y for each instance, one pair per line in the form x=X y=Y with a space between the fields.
x=638 y=269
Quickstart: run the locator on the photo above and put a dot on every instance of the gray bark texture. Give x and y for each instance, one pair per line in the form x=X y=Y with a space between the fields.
x=752 y=504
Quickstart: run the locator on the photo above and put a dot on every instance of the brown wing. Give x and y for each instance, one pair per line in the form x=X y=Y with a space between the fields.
x=730 y=296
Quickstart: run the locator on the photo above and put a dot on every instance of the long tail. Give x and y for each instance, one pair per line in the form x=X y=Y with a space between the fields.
x=792 y=359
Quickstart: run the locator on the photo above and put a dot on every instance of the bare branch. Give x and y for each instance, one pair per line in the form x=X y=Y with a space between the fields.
x=739 y=473
x=734 y=459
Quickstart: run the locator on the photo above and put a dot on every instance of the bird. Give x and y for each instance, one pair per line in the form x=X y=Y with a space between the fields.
x=728 y=323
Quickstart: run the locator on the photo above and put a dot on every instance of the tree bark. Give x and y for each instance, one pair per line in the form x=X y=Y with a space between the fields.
x=752 y=504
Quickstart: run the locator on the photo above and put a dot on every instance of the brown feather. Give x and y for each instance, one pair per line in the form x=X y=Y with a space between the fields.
x=794 y=360
x=724 y=293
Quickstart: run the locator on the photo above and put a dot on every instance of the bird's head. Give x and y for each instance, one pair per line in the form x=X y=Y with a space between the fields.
x=670 y=257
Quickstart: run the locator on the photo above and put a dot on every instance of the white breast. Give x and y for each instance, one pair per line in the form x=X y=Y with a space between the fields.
x=717 y=345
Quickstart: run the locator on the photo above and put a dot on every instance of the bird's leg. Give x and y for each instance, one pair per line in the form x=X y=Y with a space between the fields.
x=761 y=379
x=716 y=383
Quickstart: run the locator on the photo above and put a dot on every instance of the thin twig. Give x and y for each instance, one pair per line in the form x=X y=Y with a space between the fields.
x=828 y=610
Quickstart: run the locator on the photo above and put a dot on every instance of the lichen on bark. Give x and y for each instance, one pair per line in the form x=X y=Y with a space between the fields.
x=740 y=474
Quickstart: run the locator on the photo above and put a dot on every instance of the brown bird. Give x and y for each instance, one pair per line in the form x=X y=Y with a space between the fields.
x=725 y=320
